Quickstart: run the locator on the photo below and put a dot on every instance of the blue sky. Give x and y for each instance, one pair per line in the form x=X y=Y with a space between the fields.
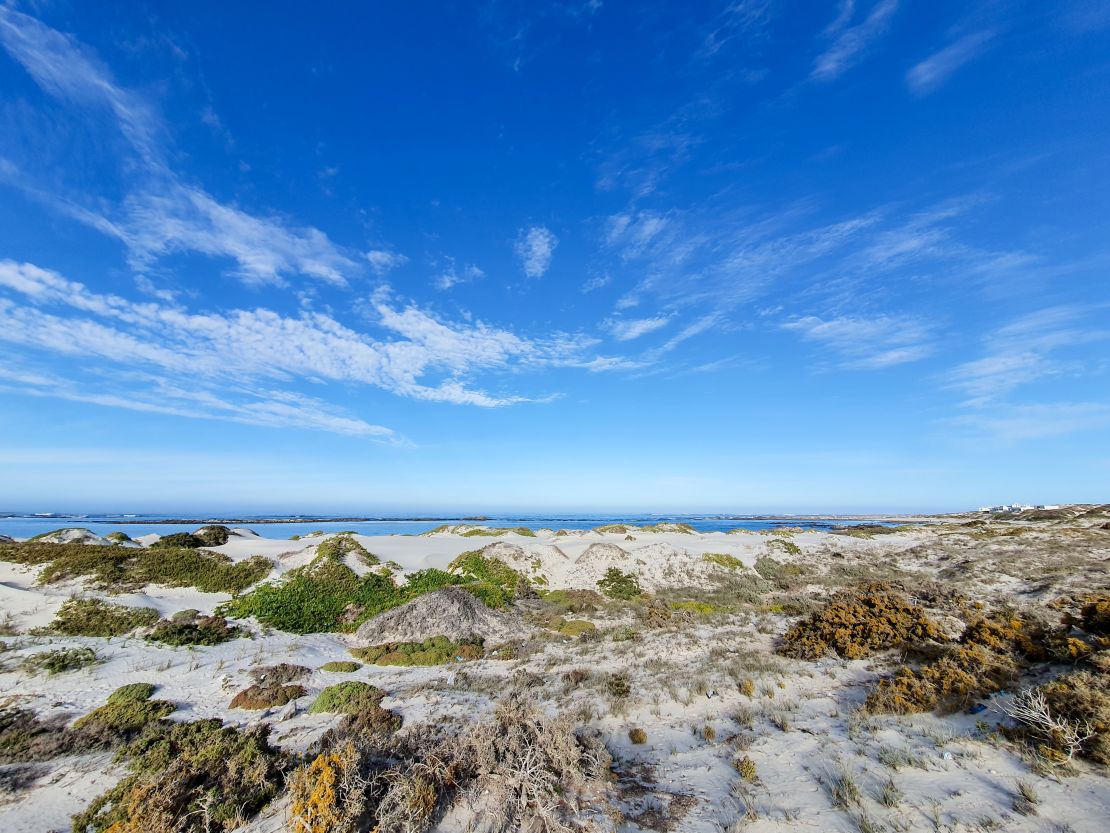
x=747 y=256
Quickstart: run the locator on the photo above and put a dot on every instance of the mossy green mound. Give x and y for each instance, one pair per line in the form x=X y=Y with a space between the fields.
x=435 y=651
x=341 y=667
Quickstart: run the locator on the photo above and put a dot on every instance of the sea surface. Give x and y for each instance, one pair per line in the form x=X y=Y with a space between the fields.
x=26 y=526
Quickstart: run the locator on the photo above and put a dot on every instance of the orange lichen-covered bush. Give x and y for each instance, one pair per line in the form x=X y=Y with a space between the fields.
x=321 y=792
x=1008 y=633
x=1095 y=615
x=949 y=682
x=858 y=623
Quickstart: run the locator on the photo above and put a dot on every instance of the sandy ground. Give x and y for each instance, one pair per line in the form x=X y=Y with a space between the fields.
x=800 y=726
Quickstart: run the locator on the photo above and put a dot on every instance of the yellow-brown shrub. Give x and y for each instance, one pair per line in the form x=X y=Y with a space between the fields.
x=858 y=623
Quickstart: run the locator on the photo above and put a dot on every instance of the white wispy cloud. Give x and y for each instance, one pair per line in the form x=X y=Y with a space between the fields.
x=160 y=213
x=931 y=73
x=1026 y=350
x=428 y=359
x=1018 y=423
x=868 y=343
x=627 y=330
x=849 y=42
x=535 y=247
x=384 y=261
x=454 y=274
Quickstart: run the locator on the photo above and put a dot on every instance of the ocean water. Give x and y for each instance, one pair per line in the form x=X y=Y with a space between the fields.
x=286 y=526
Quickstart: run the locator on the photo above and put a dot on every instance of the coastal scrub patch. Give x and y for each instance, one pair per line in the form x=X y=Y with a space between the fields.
x=280 y=674
x=128 y=710
x=94 y=617
x=476 y=567
x=858 y=623
x=121 y=569
x=189 y=778
x=339 y=546
x=619 y=585
x=722 y=559
x=213 y=535
x=325 y=595
x=194 y=630
x=59 y=660
x=784 y=576
x=178 y=539
x=434 y=651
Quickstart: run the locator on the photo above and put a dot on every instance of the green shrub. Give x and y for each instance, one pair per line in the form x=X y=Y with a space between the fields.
x=188 y=778
x=573 y=627
x=178 y=539
x=118 y=537
x=858 y=623
x=343 y=544
x=60 y=660
x=476 y=567
x=202 y=630
x=93 y=617
x=213 y=535
x=127 y=711
x=121 y=569
x=573 y=601
x=722 y=559
x=420 y=582
x=434 y=651
x=784 y=576
x=347 y=698
x=341 y=667
x=788 y=547
x=323 y=596
x=618 y=585
x=491 y=595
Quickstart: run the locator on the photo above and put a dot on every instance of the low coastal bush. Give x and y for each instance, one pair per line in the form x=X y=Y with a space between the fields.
x=478 y=568
x=325 y=595
x=339 y=546
x=1095 y=615
x=194 y=777
x=59 y=660
x=175 y=540
x=128 y=710
x=520 y=769
x=341 y=667
x=266 y=695
x=857 y=623
x=434 y=651
x=194 y=630
x=700 y=608
x=722 y=559
x=213 y=535
x=347 y=698
x=27 y=738
x=619 y=585
x=573 y=601
x=950 y=682
x=118 y=537
x=122 y=569
x=93 y=617
x=784 y=576
x=637 y=735
x=573 y=627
